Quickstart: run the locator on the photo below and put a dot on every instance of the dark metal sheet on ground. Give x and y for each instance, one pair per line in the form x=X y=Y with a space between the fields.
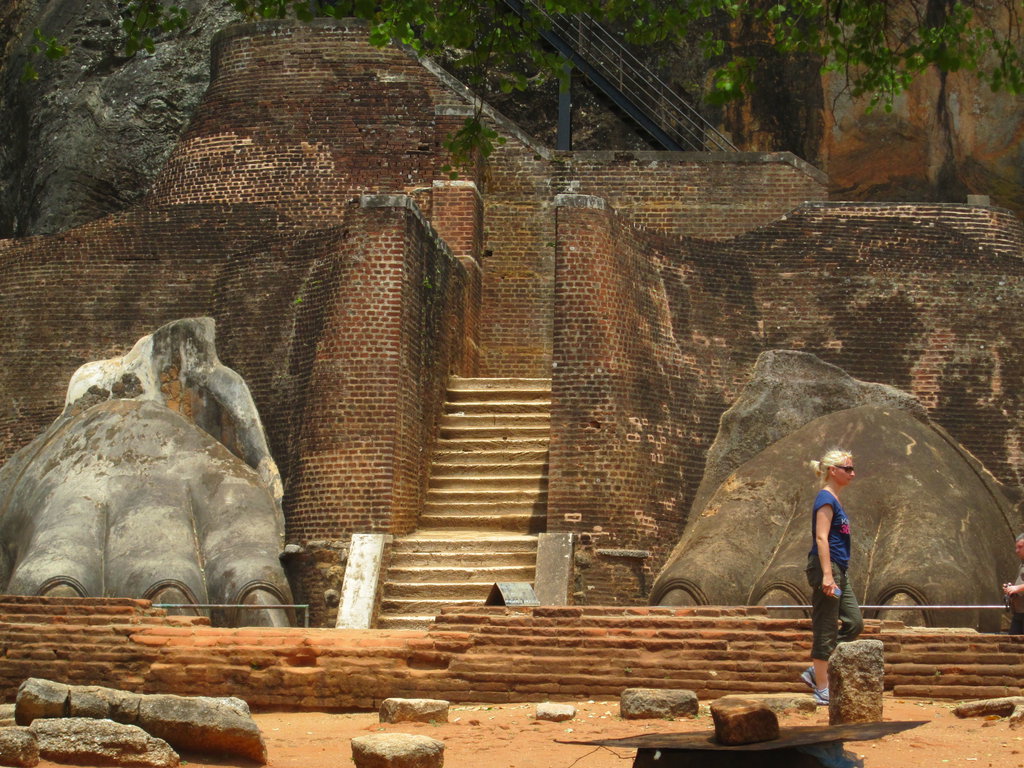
x=795 y=736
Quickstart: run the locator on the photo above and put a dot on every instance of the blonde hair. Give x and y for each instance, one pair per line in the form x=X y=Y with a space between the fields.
x=833 y=458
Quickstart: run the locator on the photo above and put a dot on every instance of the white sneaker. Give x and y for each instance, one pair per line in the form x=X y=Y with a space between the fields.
x=808 y=677
x=821 y=697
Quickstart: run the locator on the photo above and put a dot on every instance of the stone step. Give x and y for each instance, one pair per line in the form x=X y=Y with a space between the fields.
x=464 y=541
x=459 y=573
x=486 y=508
x=444 y=591
x=450 y=497
x=460 y=384
x=491 y=466
x=482 y=558
x=395 y=621
x=518 y=523
x=391 y=607
x=495 y=433
x=488 y=407
x=486 y=494
x=511 y=422
x=487 y=449
x=468 y=481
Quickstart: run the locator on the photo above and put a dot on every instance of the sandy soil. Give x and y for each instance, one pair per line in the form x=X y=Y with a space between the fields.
x=508 y=736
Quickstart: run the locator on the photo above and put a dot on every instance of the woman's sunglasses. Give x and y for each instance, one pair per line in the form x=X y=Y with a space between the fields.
x=847 y=468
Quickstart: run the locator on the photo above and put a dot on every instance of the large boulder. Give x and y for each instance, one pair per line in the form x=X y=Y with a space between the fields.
x=929 y=524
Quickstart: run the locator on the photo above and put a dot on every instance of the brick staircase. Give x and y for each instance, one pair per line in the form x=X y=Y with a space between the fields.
x=485 y=505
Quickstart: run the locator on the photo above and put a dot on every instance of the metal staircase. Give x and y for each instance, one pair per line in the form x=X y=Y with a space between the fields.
x=628 y=82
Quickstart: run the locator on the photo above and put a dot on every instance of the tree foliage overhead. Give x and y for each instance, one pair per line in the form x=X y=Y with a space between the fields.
x=879 y=45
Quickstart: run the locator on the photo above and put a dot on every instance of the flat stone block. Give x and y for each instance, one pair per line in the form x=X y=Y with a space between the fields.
x=743 y=721
x=397 y=750
x=648 y=703
x=555 y=712
x=414 y=711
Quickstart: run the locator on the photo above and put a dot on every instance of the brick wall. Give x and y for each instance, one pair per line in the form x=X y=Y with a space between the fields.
x=707 y=195
x=654 y=337
x=486 y=655
x=346 y=319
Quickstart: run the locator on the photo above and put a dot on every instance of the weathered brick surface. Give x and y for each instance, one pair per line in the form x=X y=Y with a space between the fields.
x=654 y=336
x=345 y=318
x=488 y=655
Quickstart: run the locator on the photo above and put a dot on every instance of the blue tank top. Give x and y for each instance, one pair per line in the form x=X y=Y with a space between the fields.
x=838 y=532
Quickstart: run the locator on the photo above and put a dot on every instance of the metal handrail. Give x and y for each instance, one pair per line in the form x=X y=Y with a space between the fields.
x=614 y=61
x=303 y=606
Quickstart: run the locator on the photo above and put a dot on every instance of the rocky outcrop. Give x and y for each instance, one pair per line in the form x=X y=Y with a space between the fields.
x=89 y=135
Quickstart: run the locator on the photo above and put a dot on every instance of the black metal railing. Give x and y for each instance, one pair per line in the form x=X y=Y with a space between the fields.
x=629 y=82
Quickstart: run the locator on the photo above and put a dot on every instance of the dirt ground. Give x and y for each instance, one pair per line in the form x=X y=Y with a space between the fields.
x=508 y=736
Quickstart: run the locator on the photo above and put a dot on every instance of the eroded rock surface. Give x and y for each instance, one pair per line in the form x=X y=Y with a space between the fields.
x=84 y=741
x=189 y=723
x=929 y=524
x=89 y=135
x=128 y=493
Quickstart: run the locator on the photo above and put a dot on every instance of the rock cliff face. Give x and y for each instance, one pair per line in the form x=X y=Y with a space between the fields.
x=89 y=136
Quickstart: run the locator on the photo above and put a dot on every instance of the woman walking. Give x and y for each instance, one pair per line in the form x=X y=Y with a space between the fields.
x=835 y=614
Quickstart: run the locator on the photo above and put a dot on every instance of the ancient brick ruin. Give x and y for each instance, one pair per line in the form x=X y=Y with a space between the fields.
x=306 y=209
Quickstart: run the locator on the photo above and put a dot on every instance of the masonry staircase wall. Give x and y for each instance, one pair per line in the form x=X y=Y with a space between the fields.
x=485 y=504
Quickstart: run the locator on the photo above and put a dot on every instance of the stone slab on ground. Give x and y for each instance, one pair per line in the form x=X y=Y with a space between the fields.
x=397 y=710
x=549 y=710
x=188 y=723
x=1004 y=706
x=18 y=746
x=648 y=703
x=397 y=750
x=87 y=741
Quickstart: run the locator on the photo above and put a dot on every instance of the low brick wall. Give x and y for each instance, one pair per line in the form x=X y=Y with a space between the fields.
x=485 y=655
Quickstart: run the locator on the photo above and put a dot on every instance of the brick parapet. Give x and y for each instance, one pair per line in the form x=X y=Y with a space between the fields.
x=486 y=655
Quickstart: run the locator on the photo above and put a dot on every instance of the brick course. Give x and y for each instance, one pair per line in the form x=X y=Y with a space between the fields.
x=487 y=655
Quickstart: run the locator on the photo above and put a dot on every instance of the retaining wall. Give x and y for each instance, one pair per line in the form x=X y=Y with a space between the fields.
x=487 y=655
